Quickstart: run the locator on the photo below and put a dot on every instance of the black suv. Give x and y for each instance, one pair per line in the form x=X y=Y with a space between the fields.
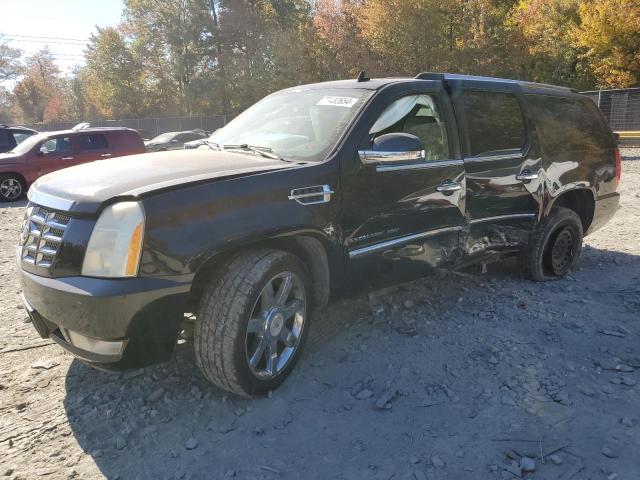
x=11 y=137
x=311 y=190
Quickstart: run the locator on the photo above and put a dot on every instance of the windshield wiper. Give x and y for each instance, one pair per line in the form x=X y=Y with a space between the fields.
x=215 y=145
x=262 y=151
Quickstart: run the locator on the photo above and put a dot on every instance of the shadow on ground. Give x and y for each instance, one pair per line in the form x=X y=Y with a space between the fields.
x=477 y=370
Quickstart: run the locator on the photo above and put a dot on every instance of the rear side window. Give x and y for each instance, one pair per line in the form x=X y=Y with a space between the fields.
x=96 y=141
x=6 y=140
x=569 y=125
x=21 y=137
x=494 y=122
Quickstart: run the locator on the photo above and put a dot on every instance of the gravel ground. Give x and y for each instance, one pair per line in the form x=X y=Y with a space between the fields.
x=458 y=376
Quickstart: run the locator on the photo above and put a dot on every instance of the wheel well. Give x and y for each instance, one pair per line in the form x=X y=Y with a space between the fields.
x=309 y=249
x=16 y=174
x=580 y=201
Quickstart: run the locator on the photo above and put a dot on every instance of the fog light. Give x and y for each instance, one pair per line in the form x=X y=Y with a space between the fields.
x=94 y=345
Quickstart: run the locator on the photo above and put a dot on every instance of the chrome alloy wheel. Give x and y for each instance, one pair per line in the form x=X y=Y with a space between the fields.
x=10 y=188
x=276 y=324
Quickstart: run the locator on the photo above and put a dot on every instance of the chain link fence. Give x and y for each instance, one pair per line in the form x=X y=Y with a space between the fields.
x=622 y=110
x=148 y=127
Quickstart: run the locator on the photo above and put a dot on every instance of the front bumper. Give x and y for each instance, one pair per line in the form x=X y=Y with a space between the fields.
x=91 y=317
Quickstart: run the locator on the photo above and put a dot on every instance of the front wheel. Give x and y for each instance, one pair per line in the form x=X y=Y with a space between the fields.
x=11 y=188
x=253 y=321
x=554 y=246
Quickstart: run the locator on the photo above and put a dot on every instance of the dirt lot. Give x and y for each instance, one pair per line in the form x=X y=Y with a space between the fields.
x=457 y=376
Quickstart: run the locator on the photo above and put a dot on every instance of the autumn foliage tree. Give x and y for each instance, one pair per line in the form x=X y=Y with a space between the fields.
x=608 y=36
x=204 y=57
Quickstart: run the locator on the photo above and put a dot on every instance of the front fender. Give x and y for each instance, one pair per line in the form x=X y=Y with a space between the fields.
x=186 y=227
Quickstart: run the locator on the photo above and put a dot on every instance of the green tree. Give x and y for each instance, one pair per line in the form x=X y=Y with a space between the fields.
x=113 y=78
x=540 y=31
x=608 y=37
x=10 y=66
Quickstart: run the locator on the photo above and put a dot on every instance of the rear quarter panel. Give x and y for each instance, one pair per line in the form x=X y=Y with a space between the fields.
x=576 y=145
x=127 y=142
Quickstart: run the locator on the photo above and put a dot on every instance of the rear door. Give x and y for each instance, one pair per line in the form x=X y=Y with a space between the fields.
x=501 y=162
x=406 y=216
x=91 y=147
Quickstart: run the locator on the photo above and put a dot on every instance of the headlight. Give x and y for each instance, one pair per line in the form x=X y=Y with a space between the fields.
x=116 y=242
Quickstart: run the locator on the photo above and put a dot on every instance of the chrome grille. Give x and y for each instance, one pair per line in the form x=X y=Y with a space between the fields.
x=42 y=232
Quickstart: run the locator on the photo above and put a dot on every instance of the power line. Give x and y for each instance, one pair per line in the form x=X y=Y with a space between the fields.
x=46 y=38
x=47 y=42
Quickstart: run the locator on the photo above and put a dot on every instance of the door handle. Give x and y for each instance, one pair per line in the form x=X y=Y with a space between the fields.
x=67 y=158
x=526 y=176
x=105 y=155
x=448 y=187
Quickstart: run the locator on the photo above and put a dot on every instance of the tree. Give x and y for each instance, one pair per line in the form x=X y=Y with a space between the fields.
x=541 y=38
x=609 y=38
x=5 y=106
x=112 y=78
x=10 y=66
x=37 y=94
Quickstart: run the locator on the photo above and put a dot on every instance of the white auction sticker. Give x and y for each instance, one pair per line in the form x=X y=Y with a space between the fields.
x=338 y=101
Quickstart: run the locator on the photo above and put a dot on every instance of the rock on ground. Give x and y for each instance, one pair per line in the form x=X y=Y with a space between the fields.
x=481 y=371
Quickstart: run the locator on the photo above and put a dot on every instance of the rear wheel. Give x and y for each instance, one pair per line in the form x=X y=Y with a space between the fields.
x=11 y=188
x=253 y=321
x=554 y=247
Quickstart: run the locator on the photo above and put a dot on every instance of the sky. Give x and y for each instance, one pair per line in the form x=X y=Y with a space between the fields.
x=63 y=25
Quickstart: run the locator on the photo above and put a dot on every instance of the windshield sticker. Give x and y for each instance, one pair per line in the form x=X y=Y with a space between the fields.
x=347 y=102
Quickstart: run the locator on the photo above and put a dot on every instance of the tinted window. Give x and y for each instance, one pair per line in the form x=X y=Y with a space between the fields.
x=418 y=115
x=96 y=141
x=6 y=140
x=56 y=145
x=568 y=124
x=21 y=136
x=494 y=122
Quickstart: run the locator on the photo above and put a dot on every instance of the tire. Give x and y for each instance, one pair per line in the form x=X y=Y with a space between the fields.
x=554 y=246
x=238 y=316
x=12 y=188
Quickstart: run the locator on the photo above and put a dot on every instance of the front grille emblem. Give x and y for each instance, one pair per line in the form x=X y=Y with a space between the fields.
x=41 y=235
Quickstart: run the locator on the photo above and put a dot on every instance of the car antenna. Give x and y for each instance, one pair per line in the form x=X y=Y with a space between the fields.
x=362 y=77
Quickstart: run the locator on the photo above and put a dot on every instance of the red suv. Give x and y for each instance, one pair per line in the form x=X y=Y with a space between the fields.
x=50 y=151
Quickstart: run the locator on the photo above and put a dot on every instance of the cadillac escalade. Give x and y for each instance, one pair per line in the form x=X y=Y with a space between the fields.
x=310 y=190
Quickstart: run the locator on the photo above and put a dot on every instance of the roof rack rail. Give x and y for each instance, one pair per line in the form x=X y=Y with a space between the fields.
x=431 y=76
x=362 y=77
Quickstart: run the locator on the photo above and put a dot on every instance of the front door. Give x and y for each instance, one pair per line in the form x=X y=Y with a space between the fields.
x=54 y=154
x=405 y=217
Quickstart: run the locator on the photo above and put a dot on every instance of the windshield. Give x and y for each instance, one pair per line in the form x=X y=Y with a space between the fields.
x=164 y=137
x=295 y=124
x=29 y=143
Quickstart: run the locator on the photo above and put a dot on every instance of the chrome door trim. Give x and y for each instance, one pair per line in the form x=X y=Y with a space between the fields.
x=449 y=187
x=527 y=176
x=419 y=166
x=506 y=156
x=50 y=201
x=325 y=193
x=359 y=252
x=374 y=157
x=498 y=218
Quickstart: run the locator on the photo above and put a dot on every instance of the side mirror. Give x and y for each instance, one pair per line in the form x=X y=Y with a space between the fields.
x=42 y=150
x=393 y=148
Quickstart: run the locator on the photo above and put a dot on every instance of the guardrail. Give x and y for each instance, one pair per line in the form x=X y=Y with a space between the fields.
x=629 y=138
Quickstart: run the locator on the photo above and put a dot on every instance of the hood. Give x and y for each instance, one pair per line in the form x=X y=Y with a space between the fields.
x=85 y=187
